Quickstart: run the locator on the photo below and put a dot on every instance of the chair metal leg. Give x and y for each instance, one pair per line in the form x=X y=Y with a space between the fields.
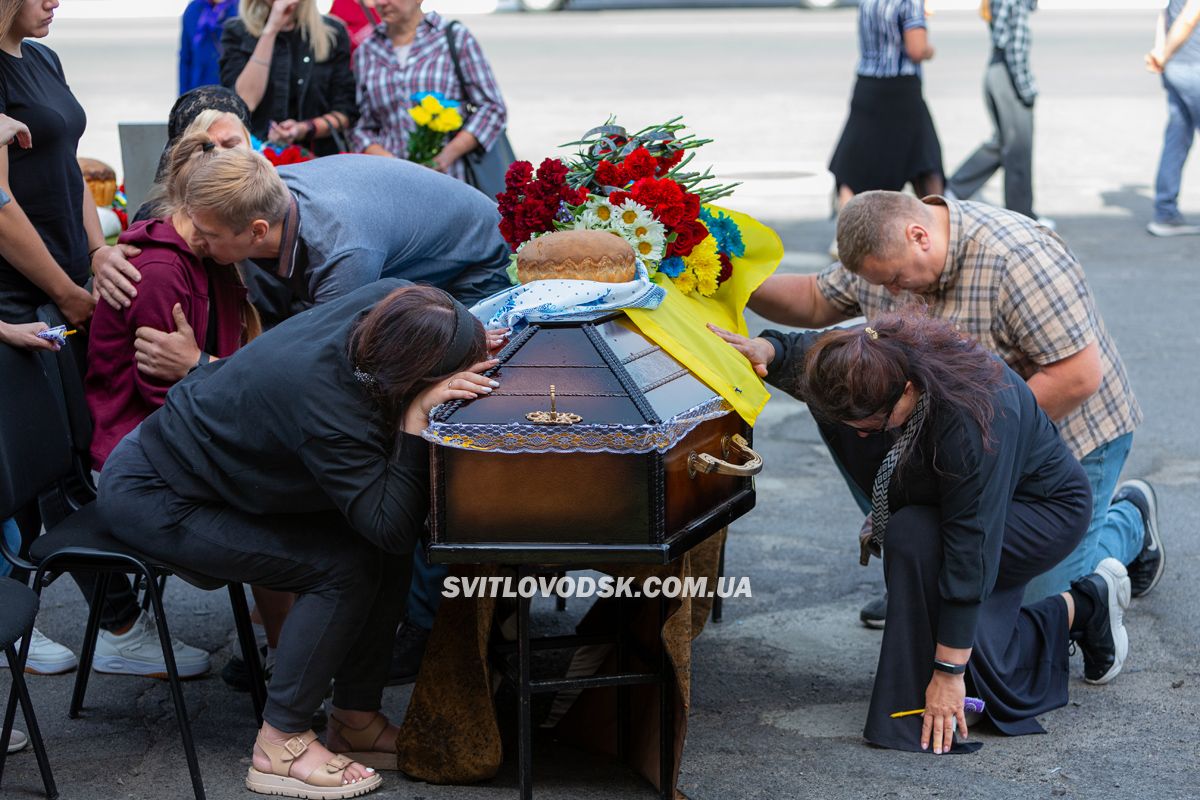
x=21 y=691
x=718 y=606
x=88 y=651
x=185 y=728
x=666 y=711
x=249 y=646
x=623 y=706
x=524 y=699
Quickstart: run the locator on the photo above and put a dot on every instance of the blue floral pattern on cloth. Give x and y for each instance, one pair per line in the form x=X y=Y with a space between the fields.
x=565 y=300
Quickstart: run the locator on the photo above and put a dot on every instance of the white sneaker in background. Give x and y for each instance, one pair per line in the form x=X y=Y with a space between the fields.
x=46 y=656
x=1175 y=228
x=138 y=652
x=17 y=741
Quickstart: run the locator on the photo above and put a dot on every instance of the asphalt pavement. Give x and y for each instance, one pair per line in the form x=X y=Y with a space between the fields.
x=780 y=687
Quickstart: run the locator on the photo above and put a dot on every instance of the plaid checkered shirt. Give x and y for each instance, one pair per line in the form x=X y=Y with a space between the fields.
x=1010 y=33
x=1014 y=287
x=385 y=86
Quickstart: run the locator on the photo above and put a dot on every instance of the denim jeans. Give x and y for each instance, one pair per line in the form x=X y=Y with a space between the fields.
x=425 y=595
x=12 y=538
x=1116 y=531
x=1182 y=83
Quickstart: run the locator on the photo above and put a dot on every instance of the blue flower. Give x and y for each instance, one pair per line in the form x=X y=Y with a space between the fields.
x=725 y=231
x=672 y=266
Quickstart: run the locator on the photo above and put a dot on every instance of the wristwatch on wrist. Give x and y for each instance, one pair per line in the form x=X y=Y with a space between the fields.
x=947 y=667
x=200 y=362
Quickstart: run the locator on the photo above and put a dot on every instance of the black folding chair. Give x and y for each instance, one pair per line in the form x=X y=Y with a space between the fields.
x=18 y=607
x=42 y=460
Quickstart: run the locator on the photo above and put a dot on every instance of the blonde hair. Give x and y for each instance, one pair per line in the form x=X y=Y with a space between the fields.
x=191 y=150
x=8 y=12
x=319 y=35
x=238 y=186
x=211 y=116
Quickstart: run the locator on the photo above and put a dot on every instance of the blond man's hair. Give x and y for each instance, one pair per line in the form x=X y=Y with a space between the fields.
x=872 y=224
x=238 y=187
x=313 y=27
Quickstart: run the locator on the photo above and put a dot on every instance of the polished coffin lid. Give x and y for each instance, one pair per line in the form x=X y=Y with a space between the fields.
x=629 y=394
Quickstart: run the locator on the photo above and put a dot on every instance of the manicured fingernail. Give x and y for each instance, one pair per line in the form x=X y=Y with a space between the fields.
x=370 y=769
x=494 y=384
x=486 y=388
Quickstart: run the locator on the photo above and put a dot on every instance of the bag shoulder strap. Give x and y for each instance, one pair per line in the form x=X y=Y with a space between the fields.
x=462 y=81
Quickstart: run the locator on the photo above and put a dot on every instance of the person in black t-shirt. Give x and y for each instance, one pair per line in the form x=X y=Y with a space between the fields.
x=50 y=234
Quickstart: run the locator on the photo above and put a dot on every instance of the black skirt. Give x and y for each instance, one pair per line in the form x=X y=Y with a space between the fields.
x=889 y=138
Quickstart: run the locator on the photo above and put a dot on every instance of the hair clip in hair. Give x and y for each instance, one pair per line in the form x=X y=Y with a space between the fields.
x=208 y=147
x=366 y=378
x=874 y=334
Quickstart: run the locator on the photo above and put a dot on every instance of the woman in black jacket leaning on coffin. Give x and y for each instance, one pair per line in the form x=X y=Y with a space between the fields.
x=973 y=494
x=296 y=465
x=292 y=67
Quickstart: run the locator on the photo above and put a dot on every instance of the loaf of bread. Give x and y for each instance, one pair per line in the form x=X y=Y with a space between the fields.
x=101 y=180
x=577 y=255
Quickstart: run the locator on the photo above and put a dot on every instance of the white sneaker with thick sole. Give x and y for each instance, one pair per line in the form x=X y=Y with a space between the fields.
x=138 y=652
x=46 y=656
x=1172 y=229
x=17 y=741
x=1118 y=596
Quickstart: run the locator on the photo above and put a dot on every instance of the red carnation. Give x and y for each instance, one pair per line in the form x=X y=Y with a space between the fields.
x=609 y=173
x=640 y=164
x=726 y=269
x=668 y=162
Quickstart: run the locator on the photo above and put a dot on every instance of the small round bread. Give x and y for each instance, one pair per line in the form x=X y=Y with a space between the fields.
x=101 y=180
x=577 y=255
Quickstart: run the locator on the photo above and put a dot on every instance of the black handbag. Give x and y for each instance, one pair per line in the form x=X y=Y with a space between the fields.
x=485 y=169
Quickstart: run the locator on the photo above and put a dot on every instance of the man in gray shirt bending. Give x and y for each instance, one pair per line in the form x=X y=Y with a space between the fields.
x=318 y=230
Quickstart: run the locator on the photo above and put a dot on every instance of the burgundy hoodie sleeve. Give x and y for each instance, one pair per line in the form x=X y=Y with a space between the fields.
x=162 y=286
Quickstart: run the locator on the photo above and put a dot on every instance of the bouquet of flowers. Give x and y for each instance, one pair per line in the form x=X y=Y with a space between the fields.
x=637 y=186
x=435 y=115
x=279 y=154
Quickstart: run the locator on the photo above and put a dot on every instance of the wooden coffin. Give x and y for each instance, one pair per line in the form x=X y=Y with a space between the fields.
x=636 y=475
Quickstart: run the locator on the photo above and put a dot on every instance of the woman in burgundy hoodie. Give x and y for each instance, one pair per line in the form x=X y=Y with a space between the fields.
x=179 y=290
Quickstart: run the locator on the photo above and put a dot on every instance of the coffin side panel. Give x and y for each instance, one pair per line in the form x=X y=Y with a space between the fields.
x=690 y=498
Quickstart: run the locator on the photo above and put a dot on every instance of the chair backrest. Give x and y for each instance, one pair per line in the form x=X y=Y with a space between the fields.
x=142 y=144
x=35 y=440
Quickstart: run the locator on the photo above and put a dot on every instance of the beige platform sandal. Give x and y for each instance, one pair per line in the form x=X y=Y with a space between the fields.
x=323 y=783
x=362 y=740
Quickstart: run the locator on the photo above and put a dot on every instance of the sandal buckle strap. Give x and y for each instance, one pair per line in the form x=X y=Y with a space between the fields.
x=296 y=746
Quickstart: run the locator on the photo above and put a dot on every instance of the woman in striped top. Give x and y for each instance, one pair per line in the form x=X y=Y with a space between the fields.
x=889 y=139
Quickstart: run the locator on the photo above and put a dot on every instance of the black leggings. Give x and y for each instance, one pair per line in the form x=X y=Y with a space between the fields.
x=351 y=594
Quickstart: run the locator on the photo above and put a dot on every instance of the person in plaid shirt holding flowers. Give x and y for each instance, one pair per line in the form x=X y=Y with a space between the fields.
x=409 y=53
x=1016 y=288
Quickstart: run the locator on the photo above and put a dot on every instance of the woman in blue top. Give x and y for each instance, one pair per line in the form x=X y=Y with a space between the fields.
x=889 y=139
x=200 y=42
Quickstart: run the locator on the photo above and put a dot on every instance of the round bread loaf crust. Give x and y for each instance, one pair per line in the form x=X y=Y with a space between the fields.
x=577 y=255
x=101 y=179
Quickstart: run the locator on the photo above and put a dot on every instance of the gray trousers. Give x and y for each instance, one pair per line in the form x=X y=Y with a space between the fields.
x=1010 y=147
x=351 y=594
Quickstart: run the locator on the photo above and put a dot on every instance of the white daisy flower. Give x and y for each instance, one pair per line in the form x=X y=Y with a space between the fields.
x=651 y=247
x=603 y=210
x=631 y=213
x=589 y=220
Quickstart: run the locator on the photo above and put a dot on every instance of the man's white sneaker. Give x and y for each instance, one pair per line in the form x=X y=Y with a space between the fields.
x=17 y=741
x=138 y=652
x=46 y=657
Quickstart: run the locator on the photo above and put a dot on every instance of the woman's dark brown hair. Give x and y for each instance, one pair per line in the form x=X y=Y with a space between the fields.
x=403 y=341
x=850 y=375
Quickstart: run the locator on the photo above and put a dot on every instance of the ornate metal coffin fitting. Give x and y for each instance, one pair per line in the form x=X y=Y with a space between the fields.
x=553 y=416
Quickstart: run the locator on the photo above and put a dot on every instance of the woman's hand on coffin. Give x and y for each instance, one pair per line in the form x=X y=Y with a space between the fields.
x=496 y=339
x=461 y=386
x=759 y=352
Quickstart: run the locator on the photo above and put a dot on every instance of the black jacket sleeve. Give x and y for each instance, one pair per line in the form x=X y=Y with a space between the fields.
x=236 y=47
x=341 y=78
x=786 y=370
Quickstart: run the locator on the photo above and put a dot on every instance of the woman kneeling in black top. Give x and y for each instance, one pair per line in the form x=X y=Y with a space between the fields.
x=973 y=494
x=296 y=465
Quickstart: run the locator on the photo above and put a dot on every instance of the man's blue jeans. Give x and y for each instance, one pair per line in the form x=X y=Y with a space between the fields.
x=1182 y=83
x=12 y=537
x=1117 y=530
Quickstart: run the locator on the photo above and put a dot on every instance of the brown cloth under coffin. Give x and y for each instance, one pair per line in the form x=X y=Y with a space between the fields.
x=450 y=734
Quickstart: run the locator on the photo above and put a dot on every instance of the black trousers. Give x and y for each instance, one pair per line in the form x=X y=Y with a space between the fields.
x=1019 y=665
x=351 y=594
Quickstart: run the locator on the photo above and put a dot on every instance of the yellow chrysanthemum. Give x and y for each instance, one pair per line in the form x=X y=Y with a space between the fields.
x=686 y=281
x=448 y=120
x=704 y=258
x=420 y=115
x=431 y=104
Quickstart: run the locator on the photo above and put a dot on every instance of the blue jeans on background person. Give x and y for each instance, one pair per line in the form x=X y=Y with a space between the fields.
x=12 y=539
x=1117 y=530
x=1182 y=83
x=425 y=594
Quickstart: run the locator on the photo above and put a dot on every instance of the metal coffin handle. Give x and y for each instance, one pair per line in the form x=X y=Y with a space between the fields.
x=704 y=463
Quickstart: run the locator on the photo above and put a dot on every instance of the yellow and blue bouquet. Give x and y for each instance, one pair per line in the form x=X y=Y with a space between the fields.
x=436 y=116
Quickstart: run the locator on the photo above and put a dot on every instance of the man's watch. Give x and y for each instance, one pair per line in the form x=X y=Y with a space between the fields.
x=200 y=362
x=947 y=667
